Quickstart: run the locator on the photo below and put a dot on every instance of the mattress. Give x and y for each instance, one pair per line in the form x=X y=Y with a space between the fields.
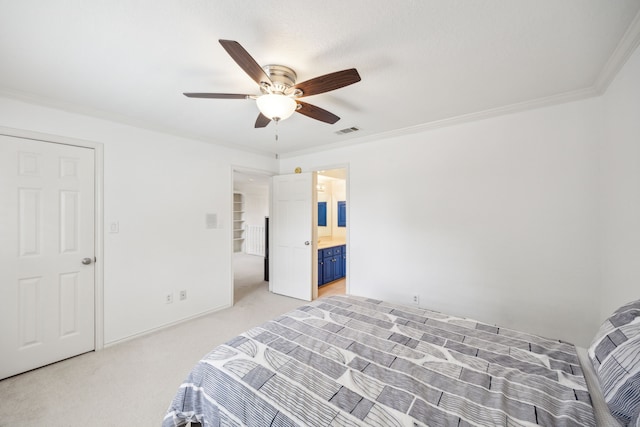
x=600 y=409
x=351 y=361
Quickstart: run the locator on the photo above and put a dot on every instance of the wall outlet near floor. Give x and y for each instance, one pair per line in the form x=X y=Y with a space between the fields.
x=183 y=295
x=168 y=298
x=415 y=300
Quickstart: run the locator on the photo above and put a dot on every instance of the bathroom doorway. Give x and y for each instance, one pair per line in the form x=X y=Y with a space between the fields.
x=332 y=230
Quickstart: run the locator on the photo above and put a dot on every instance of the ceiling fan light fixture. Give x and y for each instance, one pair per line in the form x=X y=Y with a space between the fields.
x=276 y=107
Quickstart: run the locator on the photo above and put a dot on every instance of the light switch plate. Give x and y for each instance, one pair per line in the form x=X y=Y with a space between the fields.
x=114 y=227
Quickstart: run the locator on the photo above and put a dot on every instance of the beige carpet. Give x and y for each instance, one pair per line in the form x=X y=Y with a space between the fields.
x=132 y=384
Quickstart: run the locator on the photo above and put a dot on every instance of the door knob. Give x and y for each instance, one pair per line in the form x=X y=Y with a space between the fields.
x=87 y=261
x=307 y=243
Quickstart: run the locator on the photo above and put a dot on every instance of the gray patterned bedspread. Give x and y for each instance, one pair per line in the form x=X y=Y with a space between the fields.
x=350 y=361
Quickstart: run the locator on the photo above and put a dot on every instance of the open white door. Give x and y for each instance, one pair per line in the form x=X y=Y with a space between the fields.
x=46 y=253
x=292 y=235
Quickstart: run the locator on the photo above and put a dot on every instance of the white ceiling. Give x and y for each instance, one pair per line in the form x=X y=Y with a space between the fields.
x=422 y=63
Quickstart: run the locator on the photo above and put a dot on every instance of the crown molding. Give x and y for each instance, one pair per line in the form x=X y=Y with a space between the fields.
x=621 y=54
x=562 y=98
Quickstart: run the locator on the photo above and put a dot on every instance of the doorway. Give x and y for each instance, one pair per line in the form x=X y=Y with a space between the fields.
x=298 y=252
x=250 y=212
x=332 y=225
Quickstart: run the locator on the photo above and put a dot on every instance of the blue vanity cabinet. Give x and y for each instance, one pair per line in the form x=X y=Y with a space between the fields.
x=320 y=268
x=328 y=266
x=331 y=264
x=337 y=262
x=343 y=263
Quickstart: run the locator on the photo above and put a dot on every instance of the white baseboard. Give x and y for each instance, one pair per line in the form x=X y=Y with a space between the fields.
x=165 y=326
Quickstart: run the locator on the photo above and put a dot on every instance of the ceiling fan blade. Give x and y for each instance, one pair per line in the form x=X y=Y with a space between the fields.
x=262 y=121
x=329 y=82
x=216 y=95
x=317 y=113
x=245 y=61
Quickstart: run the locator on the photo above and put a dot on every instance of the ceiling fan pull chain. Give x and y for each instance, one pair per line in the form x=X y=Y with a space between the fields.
x=276 y=129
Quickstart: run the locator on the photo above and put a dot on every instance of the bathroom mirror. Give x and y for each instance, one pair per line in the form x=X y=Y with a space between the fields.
x=322 y=214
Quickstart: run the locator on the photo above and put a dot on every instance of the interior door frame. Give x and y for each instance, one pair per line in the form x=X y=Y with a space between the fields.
x=237 y=168
x=314 y=264
x=98 y=150
x=346 y=167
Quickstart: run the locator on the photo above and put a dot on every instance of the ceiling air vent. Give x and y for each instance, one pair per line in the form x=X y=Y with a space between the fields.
x=347 y=130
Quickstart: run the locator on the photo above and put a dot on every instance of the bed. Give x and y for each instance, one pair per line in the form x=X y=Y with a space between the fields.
x=351 y=361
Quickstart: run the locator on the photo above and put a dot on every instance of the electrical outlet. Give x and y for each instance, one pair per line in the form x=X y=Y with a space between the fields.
x=416 y=299
x=168 y=298
x=183 y=295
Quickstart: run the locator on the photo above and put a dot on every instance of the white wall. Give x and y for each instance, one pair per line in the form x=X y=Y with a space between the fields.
x=257 y=208
x=338 y=193
x=495 y=219
x=159 y=188
x=621 y=189
x=256 y=202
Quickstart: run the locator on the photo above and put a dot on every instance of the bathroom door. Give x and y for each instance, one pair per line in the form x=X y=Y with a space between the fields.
x=293 y=235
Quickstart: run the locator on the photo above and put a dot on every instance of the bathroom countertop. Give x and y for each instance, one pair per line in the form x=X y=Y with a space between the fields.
x=330 y=243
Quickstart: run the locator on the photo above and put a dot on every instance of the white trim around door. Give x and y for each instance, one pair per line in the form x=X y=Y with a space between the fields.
x=99 y=214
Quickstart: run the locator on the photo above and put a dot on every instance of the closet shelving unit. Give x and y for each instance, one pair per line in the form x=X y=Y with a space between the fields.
x=238 y=222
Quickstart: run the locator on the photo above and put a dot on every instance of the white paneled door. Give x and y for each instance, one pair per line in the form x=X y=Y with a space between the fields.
x=292 y=234
x=46 y=253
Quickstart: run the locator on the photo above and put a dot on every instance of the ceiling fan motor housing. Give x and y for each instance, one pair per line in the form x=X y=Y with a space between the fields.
x=282 y=79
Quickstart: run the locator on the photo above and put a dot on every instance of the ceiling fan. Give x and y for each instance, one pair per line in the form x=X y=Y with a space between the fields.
x=280 y=95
